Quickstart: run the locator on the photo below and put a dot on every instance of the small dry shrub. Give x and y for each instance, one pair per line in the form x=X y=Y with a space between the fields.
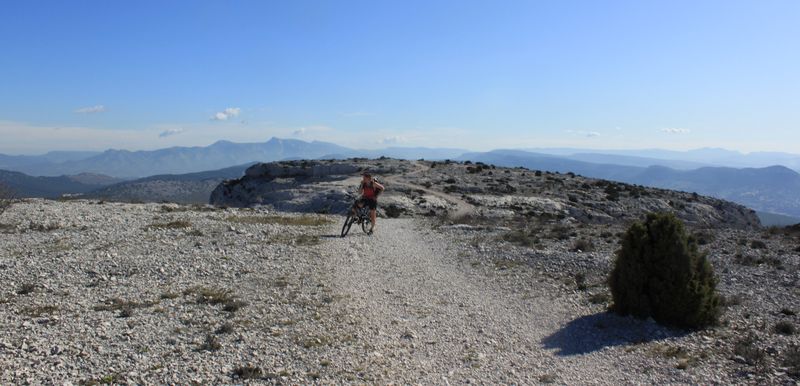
x=747 y=348
x=785 y=327
x=210 y=344
x=247 y=372
x=582 y=245
x=176 y=224
x=6 y=198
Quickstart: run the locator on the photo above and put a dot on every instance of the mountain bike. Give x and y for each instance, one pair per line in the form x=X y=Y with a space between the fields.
x=361 y=217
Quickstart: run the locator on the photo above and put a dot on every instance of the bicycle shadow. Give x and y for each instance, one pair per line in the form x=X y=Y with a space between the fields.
x=591 y=333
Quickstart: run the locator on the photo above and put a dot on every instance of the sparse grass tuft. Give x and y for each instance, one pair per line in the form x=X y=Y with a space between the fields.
x=226 y=328
x=176 y=224
x=26 y=288
x=547 y=378
x=214 y=296
x=580 y=281
x=43 y=227
x=582 y=245
x=234 y=305
x=792 y=361
x=504 y=264
x=210 y=344
x=305 y=220
x=37 y=311
x=747 y=348
x=753 y=261
x=125 y=307
x=6 y=198
x=315 y=341
x=785 y=327
x=169 y=295
x=599 y=298
x=732 y=300
x=247 y=372
x=684 y=359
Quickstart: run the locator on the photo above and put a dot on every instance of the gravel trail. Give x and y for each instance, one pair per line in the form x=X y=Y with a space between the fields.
x=424 y=315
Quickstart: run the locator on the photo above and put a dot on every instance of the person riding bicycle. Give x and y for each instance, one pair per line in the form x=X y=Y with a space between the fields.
x=369 y=189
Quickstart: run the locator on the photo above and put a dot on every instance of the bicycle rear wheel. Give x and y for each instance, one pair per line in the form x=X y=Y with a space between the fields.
x=348 y=222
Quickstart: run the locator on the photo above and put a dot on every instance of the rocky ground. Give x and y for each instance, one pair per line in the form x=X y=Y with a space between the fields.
x=425 y=188
x=96 y=292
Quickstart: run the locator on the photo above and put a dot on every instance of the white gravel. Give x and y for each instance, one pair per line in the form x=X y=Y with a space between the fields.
x=409 y=305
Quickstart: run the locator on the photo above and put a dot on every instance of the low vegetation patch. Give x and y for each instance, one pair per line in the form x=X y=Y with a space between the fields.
x=302 y=240
x=582 y=245
x=125 y=307
x=754 y=261
x=681 y=354
x=524 y=237
x=176 y=224
x=211 y=343
x=580 y=282
x=43 y=227
x=784 y=327
x=226 y=328
x=6 y=198
x=562 y=232
x=599 y=298
x=37 y=311
x=26 y=288
x=305 y=220
x=215 y=296
x=247 y=372
x=792 y=361
x=748 y=349
x=758 y=244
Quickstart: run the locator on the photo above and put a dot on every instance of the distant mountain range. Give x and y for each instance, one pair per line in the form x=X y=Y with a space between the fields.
x=190 y=188
x=23 y=185
x=176 y=160
x=683 y=159
x=185 y=174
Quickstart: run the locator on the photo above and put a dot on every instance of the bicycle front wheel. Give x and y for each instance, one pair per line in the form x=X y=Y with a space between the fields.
x=348 y=222
x=365 y=225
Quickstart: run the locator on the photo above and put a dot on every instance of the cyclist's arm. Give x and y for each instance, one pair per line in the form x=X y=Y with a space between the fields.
x=378 y=185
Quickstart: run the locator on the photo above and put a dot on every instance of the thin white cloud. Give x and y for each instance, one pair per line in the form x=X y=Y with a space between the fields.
x=91 y=109
x=170 y=132
x=587 y=134
x=224 y=115
x=392 y=140
x=675 y=130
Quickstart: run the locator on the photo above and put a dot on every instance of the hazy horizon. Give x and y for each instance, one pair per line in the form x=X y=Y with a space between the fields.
x=614 y=75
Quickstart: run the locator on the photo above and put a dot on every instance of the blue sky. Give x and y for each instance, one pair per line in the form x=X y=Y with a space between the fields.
x=474 y=74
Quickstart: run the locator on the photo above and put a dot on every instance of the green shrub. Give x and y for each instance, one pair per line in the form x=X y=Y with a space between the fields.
x=659 y=273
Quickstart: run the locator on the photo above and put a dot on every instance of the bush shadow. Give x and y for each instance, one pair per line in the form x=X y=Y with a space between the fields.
x=596 y=332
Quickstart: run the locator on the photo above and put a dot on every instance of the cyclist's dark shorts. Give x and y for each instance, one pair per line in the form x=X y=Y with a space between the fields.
x=372 y=204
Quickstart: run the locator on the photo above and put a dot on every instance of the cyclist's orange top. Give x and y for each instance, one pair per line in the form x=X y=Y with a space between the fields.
x=369 y=191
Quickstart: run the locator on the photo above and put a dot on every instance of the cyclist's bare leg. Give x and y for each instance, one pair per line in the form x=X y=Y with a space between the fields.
x=372 y=218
